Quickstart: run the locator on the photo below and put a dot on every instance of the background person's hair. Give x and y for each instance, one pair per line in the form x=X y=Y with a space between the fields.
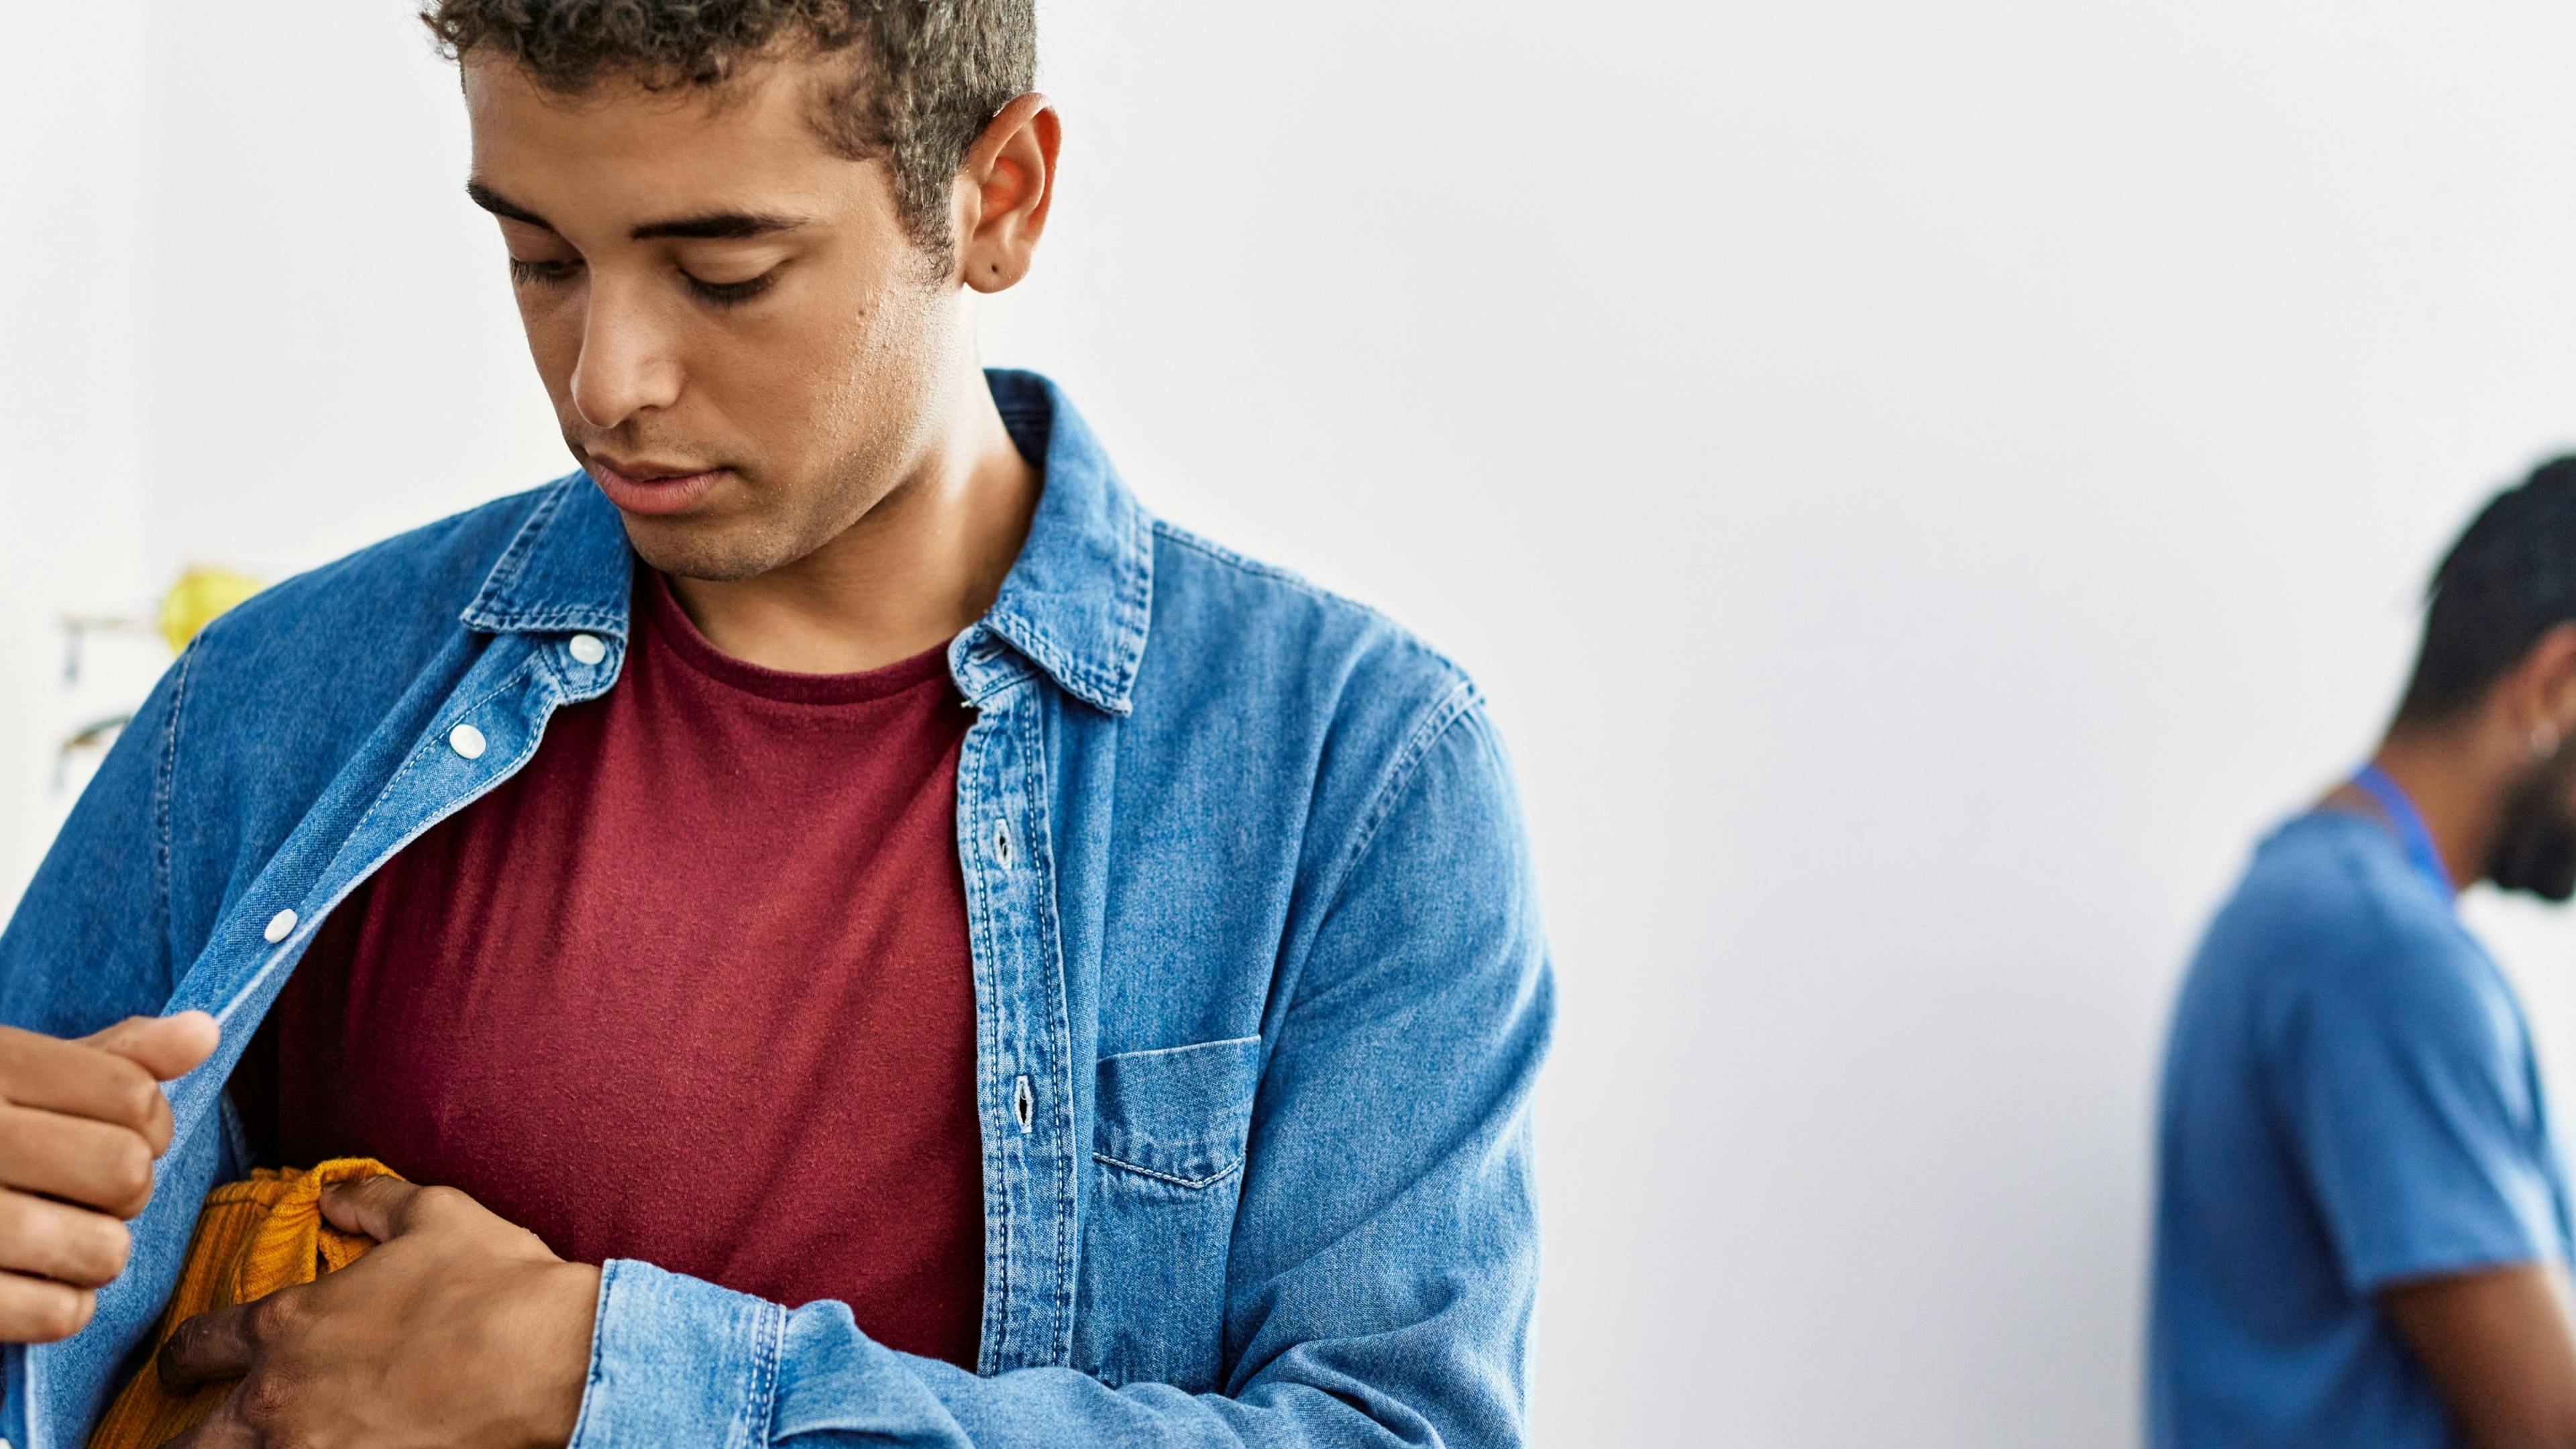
x=2509 y=580
x=925 y=75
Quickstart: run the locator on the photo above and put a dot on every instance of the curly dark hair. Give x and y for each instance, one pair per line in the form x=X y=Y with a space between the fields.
x=928 y=74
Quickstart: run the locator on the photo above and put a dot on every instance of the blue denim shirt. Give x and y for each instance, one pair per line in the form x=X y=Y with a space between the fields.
x=1260 y=987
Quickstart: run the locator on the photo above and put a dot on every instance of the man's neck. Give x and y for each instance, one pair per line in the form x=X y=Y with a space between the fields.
x=920 y=565
x=2455 y=788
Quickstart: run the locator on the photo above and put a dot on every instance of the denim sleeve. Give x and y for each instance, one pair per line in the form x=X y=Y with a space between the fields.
x=1385 y=1260
x=89 y=942
x=2405 y=1081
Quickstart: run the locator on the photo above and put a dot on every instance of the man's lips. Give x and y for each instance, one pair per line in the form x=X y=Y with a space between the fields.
x=650 y=488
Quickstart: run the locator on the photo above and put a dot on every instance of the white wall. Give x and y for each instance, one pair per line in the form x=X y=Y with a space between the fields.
x=75 y=233
x=1922 y=485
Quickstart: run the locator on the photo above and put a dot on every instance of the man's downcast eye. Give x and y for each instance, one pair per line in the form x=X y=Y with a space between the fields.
x=525 y=272
x=726 y=294
x=723 y=294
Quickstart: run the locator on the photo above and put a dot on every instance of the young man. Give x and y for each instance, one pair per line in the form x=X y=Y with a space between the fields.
x=2363 y=1232
x=835 y=850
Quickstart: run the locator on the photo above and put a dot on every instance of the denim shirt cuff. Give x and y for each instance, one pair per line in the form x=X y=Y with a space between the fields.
x=677 y=1360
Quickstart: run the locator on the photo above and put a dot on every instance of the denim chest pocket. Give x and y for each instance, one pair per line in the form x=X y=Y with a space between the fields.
x=1167 y=1168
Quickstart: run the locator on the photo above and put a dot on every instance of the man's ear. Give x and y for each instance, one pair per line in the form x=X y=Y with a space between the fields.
x=1003 y=192
x=2548 y=680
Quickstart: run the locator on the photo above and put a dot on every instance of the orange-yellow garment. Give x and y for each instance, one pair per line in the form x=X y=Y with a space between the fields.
x=252 y=1239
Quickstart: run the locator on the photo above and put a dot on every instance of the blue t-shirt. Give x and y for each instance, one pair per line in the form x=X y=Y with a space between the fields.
x=2350 y=1101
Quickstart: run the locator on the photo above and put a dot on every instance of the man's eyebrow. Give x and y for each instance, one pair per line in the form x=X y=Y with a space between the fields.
x=499 y=205
x=717 y=226
x=714 y=226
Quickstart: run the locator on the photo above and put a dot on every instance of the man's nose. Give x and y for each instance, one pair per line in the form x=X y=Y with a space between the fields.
x=627 y=364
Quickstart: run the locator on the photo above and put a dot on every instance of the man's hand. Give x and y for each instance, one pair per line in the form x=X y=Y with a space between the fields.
x=459 y=1329
x=80 y=1125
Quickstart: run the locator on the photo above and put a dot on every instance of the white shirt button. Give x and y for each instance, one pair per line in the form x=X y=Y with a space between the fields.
x=280 y=926
x=587 y=648
x=466 y=740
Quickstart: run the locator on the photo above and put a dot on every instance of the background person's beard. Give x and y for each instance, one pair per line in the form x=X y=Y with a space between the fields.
x=2535 y=849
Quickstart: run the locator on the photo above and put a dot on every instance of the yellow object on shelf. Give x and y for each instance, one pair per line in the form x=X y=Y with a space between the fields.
x=194 y=602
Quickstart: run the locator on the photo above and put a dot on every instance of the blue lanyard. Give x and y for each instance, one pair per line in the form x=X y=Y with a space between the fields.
x=2411 y=829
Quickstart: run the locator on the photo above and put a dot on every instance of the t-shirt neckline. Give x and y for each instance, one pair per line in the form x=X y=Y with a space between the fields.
x=669 y=624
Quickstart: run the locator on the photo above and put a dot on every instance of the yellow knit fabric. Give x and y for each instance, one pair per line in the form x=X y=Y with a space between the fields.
x=252 y=1239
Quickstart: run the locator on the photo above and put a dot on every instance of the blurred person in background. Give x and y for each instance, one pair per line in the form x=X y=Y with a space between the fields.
x=871 y=935
x=2362 y=1220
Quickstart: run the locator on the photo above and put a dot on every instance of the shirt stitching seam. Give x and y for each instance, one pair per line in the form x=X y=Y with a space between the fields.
x=1452 y=707
x=584 y=1418
x=165 y=787
x=436 y=737
x=1298 y=583
x=1220 y=1175
x=1188 y=1047
x=1041 y=864
x=973 y=763
x=760 y=1414
x=1244 y=563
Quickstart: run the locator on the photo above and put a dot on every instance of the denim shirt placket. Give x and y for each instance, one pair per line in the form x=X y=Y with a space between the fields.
x=437 y=778
x=505 y=698
x=1024 y=1082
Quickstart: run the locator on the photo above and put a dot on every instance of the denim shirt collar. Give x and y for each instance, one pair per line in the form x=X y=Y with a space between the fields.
x=1075 y=603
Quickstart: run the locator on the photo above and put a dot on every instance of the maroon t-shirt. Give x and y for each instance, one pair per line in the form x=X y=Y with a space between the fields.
x=693 y=987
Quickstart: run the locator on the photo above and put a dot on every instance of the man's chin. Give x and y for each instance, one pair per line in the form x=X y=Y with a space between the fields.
x=695 y=548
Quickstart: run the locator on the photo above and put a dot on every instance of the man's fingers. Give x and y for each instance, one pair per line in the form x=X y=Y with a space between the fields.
x=168 y=1047
x=217 y=1344
x=225 y=1428
x=86 y=1162
x=380 y=1207
x=82 y=1080
x=39 y=1310
x=58 y=1241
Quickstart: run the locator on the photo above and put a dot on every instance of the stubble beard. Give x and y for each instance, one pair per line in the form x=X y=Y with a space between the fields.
x=2535 y=849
